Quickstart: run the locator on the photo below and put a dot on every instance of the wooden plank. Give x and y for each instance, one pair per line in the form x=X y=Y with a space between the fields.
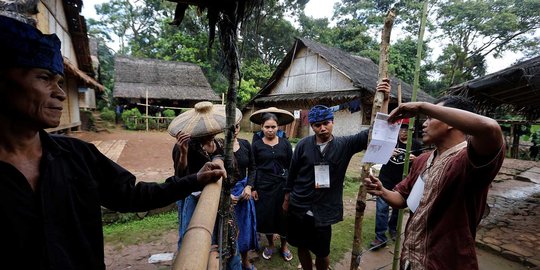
x=96 y=143
x=116 y=150
x=105 y=146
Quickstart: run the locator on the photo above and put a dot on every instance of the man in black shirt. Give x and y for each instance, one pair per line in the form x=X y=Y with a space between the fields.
x=391 y=173
x=52 y=187
x=314 y=188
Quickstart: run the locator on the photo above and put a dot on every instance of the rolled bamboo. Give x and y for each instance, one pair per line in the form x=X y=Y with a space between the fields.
x=196 y=242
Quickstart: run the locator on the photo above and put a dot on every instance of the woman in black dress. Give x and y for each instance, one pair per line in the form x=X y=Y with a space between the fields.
x=272 y=158
x=245 y=206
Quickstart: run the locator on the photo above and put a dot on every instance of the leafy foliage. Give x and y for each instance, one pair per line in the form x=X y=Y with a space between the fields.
x=169 y=113
x=246 y=91
x=130 y=118
x=480 y=28
x=108 y=115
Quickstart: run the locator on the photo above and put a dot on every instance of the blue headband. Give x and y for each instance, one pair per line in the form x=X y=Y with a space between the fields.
x=22 y=45
x=320 y=113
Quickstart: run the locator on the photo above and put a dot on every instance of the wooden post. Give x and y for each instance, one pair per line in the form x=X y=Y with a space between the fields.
x=378 y=100
x=516 y=128
x=399 y=93
x=416 y=86
x=196 y=242
x=146 y=110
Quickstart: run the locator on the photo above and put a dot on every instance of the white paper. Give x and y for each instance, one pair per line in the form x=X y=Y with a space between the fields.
x=296 y=114
x=416 y=194
x=383 y=140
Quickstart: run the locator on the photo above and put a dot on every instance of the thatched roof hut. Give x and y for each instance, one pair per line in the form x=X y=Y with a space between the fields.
x=312 y=73
x=168 y=83
x=361 y=72
x=514 y=90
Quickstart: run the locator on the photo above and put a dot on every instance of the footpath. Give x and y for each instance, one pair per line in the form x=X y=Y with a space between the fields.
x=512 y=227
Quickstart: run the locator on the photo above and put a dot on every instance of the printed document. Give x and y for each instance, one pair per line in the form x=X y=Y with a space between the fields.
x=383 y=140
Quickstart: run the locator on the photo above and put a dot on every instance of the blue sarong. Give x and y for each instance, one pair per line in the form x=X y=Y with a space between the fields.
x=247 y=222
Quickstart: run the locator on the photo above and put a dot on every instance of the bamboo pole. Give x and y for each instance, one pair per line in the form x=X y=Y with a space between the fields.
x=146 y=110
x=378 y=100
x=416 y=85
x=196 y=242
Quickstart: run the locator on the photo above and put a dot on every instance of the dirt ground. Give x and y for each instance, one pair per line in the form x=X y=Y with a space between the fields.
x=148 y=156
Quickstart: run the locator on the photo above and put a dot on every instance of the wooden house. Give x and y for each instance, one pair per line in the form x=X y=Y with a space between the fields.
x=167 y=83
x=312 y=73
x=63 y=18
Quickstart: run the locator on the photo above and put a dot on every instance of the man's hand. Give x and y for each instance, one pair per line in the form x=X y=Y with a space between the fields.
x=384 y=87
x=405 y=110
x=373 y=185
x=211 y=172
x=255 y=195
x=285 y=205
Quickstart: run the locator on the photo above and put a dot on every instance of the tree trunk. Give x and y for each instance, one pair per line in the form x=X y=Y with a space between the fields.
x=378 y=100
x=227 y=238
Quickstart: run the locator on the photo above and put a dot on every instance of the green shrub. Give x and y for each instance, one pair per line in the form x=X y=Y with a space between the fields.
x=294 y=140
x=169 y=113
x=130 y=118
x=108 y=115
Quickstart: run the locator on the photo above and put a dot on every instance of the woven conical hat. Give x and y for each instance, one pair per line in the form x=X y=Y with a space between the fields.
x=204 y=119
x=284 y=117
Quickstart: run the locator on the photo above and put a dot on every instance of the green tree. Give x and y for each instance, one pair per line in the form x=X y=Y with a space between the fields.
x=401 y=64
x=371 y=14
x=246 y=91
x=476 y=29
x=315 y=29
x=256 y=70
x=134 y=23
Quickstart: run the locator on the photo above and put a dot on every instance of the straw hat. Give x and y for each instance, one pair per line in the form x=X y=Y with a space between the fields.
x=203 y=120
x=284 y=117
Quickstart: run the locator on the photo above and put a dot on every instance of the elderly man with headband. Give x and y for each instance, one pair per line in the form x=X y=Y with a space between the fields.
x=52 y=187
x=314 y=189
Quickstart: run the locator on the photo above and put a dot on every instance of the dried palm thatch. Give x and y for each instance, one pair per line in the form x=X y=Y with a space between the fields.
x=512 y=90
x=21 y=10
x=162 y=79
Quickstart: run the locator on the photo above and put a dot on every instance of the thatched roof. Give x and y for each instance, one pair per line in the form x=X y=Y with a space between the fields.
x=79 y=35
x=362 y=72
x=163 y=80
x=515 y=89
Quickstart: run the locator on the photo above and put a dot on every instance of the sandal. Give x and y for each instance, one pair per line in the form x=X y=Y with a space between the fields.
x=287 y=255
x=267 y=253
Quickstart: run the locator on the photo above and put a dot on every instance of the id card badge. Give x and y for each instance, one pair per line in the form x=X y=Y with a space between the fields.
x=322 y=175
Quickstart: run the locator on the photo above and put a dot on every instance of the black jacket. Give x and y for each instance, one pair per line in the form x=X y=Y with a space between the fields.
x=325 y=203
x=59 y=225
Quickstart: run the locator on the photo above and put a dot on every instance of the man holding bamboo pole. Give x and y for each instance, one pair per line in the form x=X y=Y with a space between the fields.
x=446 y=189
x=314 y=188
